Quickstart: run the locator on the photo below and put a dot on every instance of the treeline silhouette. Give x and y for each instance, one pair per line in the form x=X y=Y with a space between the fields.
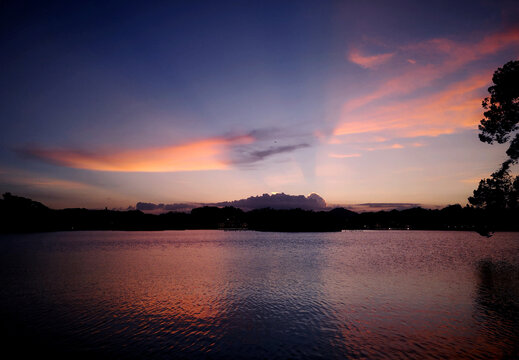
x=18 y=214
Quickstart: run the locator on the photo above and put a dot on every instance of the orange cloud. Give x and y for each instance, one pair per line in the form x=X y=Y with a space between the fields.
x=208 y=154
x=473 y=181
x=35 y=180
x=461 y=53
x=368 y=62
x=53 y=183
x=454 y=55
x=393 y=146
x=455 y=108
x=343 y=156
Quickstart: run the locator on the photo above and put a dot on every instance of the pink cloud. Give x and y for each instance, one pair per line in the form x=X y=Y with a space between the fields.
x=368 y=61
x=459 y=53
x=207 y=154
x=385 y=147
x=344 y=156
x=444 y=111
x=455 y=108
x=449 y=55
x=473 y=181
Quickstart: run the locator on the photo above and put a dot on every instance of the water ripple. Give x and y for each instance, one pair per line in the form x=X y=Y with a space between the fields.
x=219 y=295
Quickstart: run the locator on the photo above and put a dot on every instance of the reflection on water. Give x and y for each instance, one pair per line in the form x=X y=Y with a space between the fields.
x=216 y=294
x=497 y=307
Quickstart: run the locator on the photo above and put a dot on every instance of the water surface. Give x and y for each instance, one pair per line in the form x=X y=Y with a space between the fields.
x=226 y=294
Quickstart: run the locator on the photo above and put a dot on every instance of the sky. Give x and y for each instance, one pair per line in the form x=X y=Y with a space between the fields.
x=107 y=103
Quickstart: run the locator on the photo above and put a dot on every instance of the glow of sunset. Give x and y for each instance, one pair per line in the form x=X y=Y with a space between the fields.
x=359 y=102
x=199 y=155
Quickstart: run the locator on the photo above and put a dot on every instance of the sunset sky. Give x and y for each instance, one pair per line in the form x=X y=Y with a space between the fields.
x=113 y=102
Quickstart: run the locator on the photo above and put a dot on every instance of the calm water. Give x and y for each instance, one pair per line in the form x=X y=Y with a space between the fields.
x=222 y=294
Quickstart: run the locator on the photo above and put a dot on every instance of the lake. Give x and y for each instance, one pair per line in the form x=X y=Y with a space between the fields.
x=244 y=294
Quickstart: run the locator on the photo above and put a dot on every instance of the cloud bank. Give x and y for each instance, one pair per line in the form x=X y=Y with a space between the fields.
x=274 y=201
x=278 y=201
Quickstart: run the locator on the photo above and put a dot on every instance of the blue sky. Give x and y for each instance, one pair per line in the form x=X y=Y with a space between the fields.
x=110 y=103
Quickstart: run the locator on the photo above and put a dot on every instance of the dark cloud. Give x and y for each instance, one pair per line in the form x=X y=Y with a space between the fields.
x=365 y=207
x=266 y=133
x=278 y=201
x=273 y=150
x=274 y=201
x=148 y=206
x=160 y=208
x=278 y=133
x=249 y=157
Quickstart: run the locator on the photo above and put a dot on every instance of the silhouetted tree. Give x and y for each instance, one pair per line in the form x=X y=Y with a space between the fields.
x=500 y=191
x=502 y=111
x=18 y=214
x=501 y=122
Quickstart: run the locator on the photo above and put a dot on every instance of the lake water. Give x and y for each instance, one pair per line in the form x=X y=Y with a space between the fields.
x=241 y=294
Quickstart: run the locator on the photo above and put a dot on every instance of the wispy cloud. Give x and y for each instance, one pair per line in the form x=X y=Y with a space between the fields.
x=58 y=192
x=368 y=207
x=45 y=182
x=431 y=92
x=215 y=153
x=368 y=61
x=475 y=180
x=344 y=156
x=444 y=56
x=393 y=146
x=207 y=154
x=249 y=157
x=454 y=108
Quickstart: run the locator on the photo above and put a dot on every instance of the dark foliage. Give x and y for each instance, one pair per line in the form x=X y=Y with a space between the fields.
x=294 y=220
x=19 y=214
x=501 y=121
x=500 y=191
x=502 y=109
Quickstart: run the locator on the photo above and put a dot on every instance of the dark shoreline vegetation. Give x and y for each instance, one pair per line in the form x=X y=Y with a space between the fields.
x=20 y=214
